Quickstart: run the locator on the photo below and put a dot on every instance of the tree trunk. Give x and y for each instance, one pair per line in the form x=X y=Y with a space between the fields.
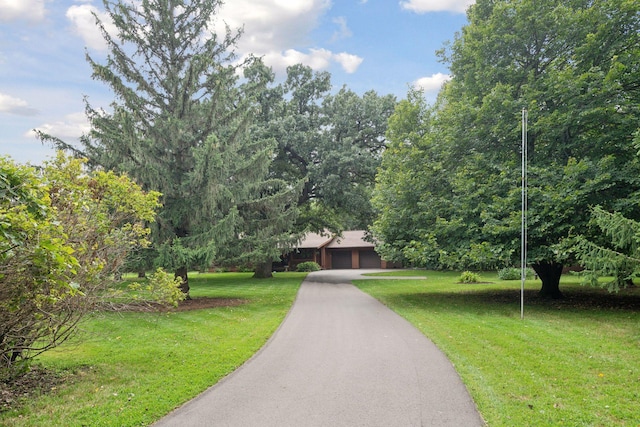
x=184 y=286
x=549 y=273
x=263 y=270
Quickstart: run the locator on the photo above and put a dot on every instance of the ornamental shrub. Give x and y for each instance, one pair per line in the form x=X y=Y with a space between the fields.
x=469 y=277
x=308 y=266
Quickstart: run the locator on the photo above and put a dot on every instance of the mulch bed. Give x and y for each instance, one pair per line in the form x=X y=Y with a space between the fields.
x=34 y=382
x=198 y=303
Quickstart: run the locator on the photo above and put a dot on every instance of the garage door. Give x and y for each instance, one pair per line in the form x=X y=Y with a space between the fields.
x=370 y=259
x=340 y=259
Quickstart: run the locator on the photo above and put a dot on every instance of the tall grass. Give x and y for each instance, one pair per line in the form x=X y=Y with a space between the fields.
x=574 y=362
x=130 y=369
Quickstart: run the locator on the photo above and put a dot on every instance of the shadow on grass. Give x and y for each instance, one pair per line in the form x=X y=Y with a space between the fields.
x=575 y=299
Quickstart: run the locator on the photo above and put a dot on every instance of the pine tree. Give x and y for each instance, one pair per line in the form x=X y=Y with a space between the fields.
x=616 y=256
x=180 y=124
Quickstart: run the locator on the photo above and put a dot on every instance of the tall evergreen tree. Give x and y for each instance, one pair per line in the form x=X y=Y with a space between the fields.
x=180 y=125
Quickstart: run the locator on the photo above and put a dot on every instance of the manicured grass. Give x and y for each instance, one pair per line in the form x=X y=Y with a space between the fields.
x=574 y=362
x=130 y=369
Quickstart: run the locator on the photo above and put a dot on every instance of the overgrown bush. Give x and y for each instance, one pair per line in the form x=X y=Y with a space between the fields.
x=36 y=269
x=513 y=273
x=64 y=235
x=308 y=266
x=469 y=277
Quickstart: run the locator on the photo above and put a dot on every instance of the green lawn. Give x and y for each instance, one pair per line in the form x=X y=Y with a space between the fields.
x=130 y=369
x=574 y=362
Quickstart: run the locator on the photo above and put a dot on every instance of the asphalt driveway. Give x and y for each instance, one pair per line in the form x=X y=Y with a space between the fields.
x=340 y=358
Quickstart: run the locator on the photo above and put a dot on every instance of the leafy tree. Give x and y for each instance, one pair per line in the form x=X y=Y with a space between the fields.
x=404 y=184
x=561 y=60
x=574 y=66
x=267 y=216
x=419 y=222
x=104 y=217
x=355 y=140
x=180 y=125
x=331 y=142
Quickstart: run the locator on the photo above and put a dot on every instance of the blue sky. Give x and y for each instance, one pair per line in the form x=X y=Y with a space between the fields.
x=381 y=45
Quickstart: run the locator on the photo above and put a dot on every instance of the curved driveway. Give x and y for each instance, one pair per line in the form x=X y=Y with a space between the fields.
x=340 y=358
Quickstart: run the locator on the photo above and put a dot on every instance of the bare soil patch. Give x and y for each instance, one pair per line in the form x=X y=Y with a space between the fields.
x=34 y=382
x=208 y=302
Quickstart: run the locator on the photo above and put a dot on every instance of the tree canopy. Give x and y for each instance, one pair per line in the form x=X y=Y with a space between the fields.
x=332 y=142
x=574 y=67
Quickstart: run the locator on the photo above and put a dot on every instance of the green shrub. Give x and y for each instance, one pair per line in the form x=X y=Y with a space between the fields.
x=469 y=277
x=308 y=266
x=65 y=232
x=513 y=273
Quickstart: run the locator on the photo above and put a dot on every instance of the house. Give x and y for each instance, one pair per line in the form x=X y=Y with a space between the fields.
x=349 y=250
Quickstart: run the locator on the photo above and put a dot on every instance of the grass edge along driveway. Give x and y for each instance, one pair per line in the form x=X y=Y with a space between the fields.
x=574 y=362
x=130 y=369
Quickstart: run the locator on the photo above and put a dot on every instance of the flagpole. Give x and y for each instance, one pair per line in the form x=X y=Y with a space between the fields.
x=523 y=228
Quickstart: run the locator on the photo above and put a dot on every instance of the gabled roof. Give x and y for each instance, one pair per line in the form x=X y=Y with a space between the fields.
x=349 y=239
x=315 y=240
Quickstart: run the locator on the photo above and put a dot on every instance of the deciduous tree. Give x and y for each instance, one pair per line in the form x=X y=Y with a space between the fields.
x=574 y=66
x=331 y=142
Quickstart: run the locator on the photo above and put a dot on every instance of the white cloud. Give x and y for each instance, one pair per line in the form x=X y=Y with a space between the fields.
x=17 y=106
x=85 y=24
x=73 y=126
x=349 y=62
x=424 y=6
x=318 y=59
x=271 y=25
x=29 y=10
x=433 y=83
x=278 y=30
x=343 y=30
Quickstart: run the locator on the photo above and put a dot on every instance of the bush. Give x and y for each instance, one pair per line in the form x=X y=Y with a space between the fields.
x=469 y=277
x=512 y=273
x=308 y=266
x=64 y=235
x=37 y=290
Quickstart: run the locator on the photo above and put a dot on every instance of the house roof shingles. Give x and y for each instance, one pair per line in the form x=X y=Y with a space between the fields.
x=314 y=241
x=349 y=239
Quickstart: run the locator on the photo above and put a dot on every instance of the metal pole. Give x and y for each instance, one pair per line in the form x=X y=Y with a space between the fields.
x=523 y=228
